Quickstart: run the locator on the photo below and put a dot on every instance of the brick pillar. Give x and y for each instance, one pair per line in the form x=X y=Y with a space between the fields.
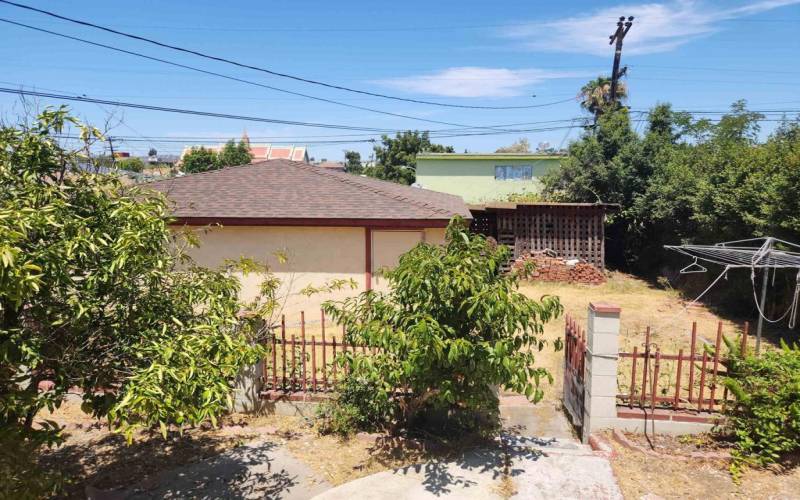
x=602 y=353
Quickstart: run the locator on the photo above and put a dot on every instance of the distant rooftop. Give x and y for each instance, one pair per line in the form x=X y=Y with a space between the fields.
x=262 y=152
x=489 y=156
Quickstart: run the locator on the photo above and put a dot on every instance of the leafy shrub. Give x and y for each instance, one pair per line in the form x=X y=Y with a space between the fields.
x=359 y=406
x=451 y=330
x=22 y=477
x=131 y=164
x=96 y=292
x=765 y=420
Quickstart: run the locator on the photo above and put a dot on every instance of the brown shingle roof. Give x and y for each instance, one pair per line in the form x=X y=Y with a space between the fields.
x=282 y=189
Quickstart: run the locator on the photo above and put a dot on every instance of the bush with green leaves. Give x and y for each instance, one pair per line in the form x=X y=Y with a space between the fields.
x=199 y=160
x=359 y=405
x=450 y=330
x=96 y=292
x=765 y=419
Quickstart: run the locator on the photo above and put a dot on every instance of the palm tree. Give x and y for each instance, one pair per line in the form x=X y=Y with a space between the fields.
x=595 y=96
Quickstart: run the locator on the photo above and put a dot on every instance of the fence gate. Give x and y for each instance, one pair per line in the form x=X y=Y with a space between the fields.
x=574 y=361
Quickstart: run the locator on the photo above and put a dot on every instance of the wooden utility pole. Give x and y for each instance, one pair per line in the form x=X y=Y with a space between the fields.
x=111 y=147
x=622 y=29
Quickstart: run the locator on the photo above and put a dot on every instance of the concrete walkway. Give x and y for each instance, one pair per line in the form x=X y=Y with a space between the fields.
x=521 y=466
x=260 y=469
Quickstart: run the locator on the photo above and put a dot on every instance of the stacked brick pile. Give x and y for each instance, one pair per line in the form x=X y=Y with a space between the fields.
x=548 y=268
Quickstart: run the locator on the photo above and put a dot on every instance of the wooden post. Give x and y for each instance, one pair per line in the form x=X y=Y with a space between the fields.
x=283 y=352
x=633 y=376
x=691 y=360
x=303 y=348
x=656 y=369
x=324 y=357
x=646 y=363
x=368 y=258
x=334 y=360
x=274 y=363
x=677 y=400
x=716 y=363
x=702 y=381
x=314 y=363
x=294 y=367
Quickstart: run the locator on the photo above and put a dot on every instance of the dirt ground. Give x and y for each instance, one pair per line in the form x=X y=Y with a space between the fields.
x=642 y=305
x=91 y=455
x=640 y=475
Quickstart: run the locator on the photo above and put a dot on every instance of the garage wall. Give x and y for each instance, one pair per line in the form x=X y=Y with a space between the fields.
x=316 y=255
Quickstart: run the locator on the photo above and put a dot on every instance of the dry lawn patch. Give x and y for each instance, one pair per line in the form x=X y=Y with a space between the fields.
x=640 y=475
x=642 y=305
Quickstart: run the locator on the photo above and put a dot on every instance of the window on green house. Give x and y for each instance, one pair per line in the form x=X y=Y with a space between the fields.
x=513 y=172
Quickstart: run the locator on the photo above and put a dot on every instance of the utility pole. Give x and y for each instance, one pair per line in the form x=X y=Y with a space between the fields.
x=111 y=147
x=622 y=29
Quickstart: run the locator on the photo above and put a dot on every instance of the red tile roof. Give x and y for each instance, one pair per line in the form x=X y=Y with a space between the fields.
x=283 y=189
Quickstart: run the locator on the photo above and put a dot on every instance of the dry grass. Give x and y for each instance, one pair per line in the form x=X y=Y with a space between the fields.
x=642 y=305
x=640 y=475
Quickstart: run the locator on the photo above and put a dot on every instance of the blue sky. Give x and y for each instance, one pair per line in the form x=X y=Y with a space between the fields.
x=698 y=55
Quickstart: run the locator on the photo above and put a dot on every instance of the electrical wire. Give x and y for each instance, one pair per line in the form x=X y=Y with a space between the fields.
x=236 y=79
x=264 y=70
x=188 y=111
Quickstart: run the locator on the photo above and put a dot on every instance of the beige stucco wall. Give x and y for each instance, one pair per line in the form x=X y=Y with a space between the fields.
x=316 y=255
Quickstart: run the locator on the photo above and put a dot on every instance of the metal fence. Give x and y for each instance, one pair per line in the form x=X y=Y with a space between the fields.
x=650 y=378
x=302 y=361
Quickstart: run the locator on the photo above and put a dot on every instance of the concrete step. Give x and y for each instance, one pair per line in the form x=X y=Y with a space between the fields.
x=551 y=445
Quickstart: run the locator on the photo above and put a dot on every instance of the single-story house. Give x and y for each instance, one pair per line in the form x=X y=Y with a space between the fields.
x=484 y=177
x=330 y=225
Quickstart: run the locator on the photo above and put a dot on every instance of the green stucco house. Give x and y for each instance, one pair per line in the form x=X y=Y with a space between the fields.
x=484 y=177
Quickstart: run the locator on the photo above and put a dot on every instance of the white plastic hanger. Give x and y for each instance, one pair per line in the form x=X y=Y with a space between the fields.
x=694 y=267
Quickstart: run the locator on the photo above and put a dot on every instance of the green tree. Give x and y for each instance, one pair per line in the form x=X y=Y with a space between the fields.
x=396 y=158
x=352 y=162
x=684 y=180
x=233 y=154
x=452 y=327
x=131 y=164
x=97 y=293
x=520 y=146
x=596 y=95
x=199 y=160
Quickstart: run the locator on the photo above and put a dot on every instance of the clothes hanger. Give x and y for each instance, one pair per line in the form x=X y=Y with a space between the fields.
x=694 y=267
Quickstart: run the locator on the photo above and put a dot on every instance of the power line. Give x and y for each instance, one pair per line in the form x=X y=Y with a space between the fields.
x=188 y=111
x=257 y=68
x=236 y=79
x=439 y=133
x=403 y=29
x=148 y=107
x=499 y=127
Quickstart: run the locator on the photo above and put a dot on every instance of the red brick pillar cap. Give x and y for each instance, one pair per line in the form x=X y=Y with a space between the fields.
x=604 y=307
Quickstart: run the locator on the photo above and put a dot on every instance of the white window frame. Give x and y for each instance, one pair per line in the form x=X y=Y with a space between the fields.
x=518 y=172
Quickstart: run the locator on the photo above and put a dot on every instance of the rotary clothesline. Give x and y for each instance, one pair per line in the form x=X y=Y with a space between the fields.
x=755 y=253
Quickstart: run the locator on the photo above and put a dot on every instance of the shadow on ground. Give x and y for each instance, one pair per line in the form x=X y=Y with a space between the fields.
x=440 y=477
x=98 y=459
x=245 y=472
